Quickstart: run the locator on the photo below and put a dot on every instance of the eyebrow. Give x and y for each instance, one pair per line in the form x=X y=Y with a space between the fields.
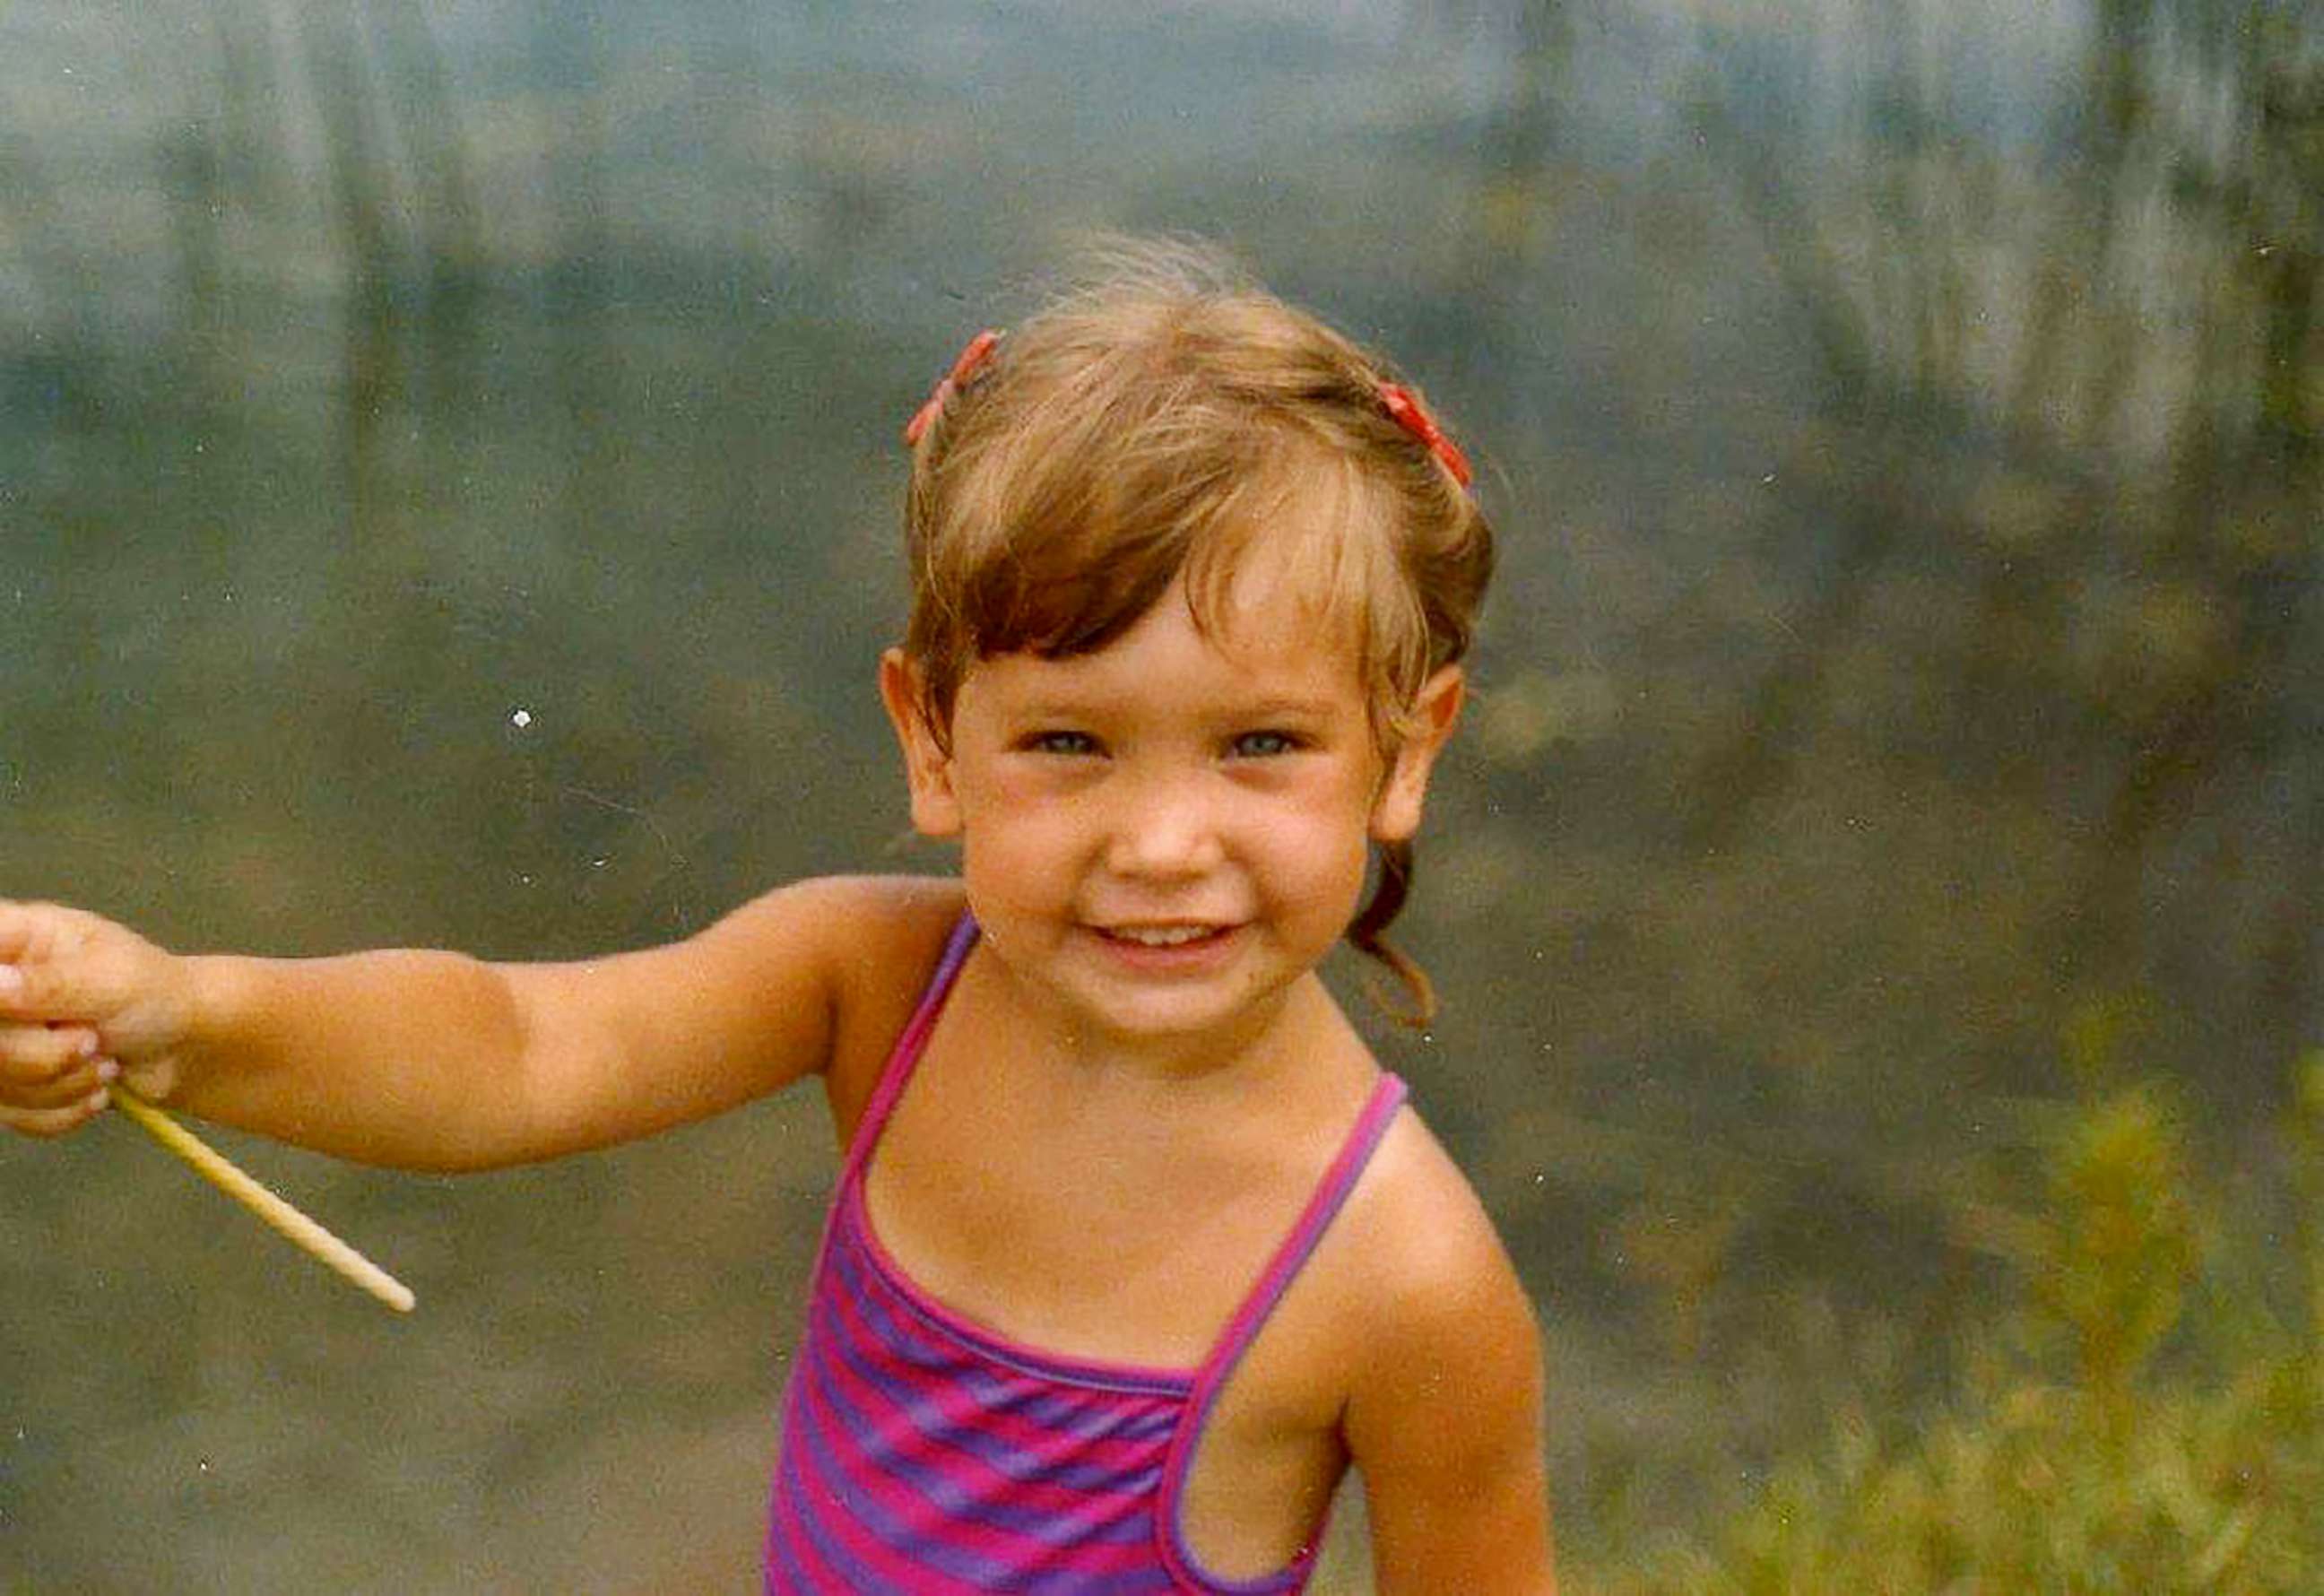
x=1055 y=709
x=1279 y=707
x=1292 y=708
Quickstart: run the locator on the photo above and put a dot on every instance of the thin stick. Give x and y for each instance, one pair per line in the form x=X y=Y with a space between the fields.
x=292 y=1225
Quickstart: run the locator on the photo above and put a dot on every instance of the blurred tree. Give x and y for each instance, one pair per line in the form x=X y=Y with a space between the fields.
x=2147 y=610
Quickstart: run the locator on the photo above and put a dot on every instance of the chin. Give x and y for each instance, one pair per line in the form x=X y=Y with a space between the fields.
x=1134 y=994
x=1182 y=1013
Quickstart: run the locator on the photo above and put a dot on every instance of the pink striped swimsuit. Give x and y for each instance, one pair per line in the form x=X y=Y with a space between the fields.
x=925 y=1455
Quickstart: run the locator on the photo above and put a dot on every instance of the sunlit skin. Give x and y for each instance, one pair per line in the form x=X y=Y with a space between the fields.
x=1164 y=837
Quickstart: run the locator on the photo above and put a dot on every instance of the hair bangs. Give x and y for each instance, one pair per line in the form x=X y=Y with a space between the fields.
x=1308 y=541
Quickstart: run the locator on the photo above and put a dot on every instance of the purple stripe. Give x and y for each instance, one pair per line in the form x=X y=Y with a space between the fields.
x=983 y=1392
x=790 y=1502
x=1052 y=1540
x=842 y=1571
x=933 y=1481
x=1097 y=1375
x=1087 y=1414
x=1066 y=1582
x=806 y=1500
x=919 y=1410
x=833 y=1483
x=926 y=1361
x=785 y=1577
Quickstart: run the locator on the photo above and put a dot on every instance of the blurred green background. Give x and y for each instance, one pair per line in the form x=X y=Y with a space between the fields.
x=449 y=486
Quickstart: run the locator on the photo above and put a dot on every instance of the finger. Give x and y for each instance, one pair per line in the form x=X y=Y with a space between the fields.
x=42 y=1064
x=63 y=1091
x=34 y=938
x=155 y=1080
x=39 y=989
x=54 y=1121
x=29 y=988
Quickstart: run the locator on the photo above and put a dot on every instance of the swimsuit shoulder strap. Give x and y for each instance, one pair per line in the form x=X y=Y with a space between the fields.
x=1330 y=1195
x=896 y=1073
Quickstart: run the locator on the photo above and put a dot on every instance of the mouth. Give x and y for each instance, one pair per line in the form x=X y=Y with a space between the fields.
x=1165 y=935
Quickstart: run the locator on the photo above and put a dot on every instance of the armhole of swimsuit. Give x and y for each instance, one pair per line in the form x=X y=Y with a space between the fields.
x=1329 y=1196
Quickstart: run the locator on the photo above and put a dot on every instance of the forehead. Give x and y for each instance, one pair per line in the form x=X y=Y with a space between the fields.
x=1301 y=578
x=1254 y=646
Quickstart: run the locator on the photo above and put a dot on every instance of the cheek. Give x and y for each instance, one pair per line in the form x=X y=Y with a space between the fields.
x=1322 y=855
x=1012 y=840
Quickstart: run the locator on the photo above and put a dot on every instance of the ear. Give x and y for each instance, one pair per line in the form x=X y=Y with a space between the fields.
x=1396 y=813
x=928 y=768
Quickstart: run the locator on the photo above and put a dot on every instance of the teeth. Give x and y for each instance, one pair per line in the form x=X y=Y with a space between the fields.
x=1162 y=936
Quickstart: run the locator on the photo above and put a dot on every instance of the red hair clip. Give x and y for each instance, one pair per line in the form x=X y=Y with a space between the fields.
x=1404 y=407
x=979 y=350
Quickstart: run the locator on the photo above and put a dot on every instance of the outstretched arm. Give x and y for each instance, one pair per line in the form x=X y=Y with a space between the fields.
x=430 y=1060
x=1444 y=1421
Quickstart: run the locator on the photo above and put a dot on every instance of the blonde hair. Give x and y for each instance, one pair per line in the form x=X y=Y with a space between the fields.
x=1161 y=419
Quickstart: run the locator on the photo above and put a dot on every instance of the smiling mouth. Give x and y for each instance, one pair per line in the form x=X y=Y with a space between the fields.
x=1177 y=936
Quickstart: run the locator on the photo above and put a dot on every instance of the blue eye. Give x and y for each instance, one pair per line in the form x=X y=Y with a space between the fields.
x=1265 y=745
x=1066 y=744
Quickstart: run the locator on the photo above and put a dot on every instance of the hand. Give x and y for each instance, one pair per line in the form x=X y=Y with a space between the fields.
x=83 y=1003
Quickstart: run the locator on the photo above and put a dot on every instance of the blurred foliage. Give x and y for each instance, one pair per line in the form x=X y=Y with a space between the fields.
x=2126 y=1427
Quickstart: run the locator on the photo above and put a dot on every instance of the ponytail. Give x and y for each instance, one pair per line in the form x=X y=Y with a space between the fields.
x=1365 y=934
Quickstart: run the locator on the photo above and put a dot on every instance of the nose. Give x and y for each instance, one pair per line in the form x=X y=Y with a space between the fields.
x=1164 y=828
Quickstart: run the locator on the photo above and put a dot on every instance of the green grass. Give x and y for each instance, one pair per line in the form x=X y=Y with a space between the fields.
x=2143 y=1419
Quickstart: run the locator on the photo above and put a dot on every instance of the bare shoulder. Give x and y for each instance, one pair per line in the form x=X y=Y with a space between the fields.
x=877 y=939
x=1432 y=1258
x=855 y=924
x=1444 y=1414
x=869 y=940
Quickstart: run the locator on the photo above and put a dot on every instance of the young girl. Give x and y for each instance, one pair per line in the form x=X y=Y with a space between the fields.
x=1136 y=1250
